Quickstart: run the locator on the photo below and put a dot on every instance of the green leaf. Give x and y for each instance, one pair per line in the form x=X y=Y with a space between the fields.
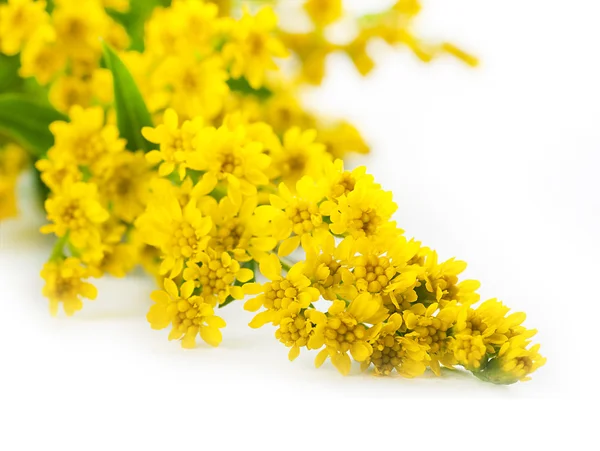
x=26 y=121
x=242 y=86
x=135 y=19
x=132 y=114
x=9 y=75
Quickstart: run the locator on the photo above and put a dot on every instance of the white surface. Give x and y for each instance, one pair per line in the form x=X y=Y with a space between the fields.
x=498 y=167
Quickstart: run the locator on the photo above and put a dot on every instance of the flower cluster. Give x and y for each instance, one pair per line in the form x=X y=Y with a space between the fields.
x=59 y=44
x=179 y=145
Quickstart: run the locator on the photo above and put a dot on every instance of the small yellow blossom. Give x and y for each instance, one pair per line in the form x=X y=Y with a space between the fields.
x=76 y=210
x=19 y=20
x=226 y=155
x=175 y=143
x=345 y=332
x=253 y=46
x=42 y=58
x=300 y=155
x=86 y=139
x=187 y=313
x=293 y=216
x=65 y=284
x=282 y=296
x=324 y=12
x=181 y=234
x=215 y=274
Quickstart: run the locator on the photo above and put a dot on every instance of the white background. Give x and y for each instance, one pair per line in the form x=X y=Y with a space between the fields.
x=497 y=166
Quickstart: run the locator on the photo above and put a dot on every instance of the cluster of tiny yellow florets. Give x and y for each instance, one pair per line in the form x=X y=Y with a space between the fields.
x=240 y=192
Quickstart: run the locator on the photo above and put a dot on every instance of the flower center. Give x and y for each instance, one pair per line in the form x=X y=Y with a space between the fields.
x=373 y=273
x=305 y=217
x=341 y=332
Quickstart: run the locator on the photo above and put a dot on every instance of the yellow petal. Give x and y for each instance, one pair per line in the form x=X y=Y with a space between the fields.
x=294 y=353
x=360 y=351
x=211 y=335
x=321 y=357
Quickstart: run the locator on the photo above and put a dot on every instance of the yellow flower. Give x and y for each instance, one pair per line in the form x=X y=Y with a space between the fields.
x=76 y=210
x=215 y=276
x=19 y=20
x=12 y=161
x=514 y=362
x=282 y=296
x=238 y=231
x=296 y=331
x=226 y=155
x=57 y=169
x=41 y=58
x=323 y=12
x=365 y=211
x=79 y=25
x=69 y=91
x=327 y=263
x=394 y=352
x=180 y=233
x=293 y=216
x=175 y=143
x=124 y=183
x=429 y=331
x=344 y=331
x=382 y=268
x=187 y=313
x=253 y=46
x=85 y=140
x=65 y=284
x=300 y=156
x=194 y=87
x=8 y=197
x=342 y=138
x=341 y=182
x=440 y=280
x=186 y=26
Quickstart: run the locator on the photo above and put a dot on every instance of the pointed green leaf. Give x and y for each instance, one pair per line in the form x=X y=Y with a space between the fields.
x=26 y=121
x=132 y=113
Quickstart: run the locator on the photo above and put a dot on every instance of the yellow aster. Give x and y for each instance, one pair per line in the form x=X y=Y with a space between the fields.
x=429 y=327
x=175 y=142
x=394 y=352
x=515 y=362
x=300 y=156
x=226 y=155
x=281 y=296
x=75 y=209
x=324 y=12
x=365 y=211
x=86 y=139
x=181 y=233
x=237 y=230
x=194 y=87
x=292 y=216
x=41 y=57
x=345 y=332
x=342 y=138
x=327 y=262
x=79 y=25
x=187 y=313
x=65 y=284
x=215 y=275
x=252 y=46
x=19 y=20
x=124 y=183
x=440 y=280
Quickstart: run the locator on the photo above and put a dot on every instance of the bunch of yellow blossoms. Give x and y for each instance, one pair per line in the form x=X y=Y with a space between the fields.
x=186 y=150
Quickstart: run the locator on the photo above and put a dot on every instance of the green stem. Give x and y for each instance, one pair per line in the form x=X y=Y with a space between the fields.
x=58 y=249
